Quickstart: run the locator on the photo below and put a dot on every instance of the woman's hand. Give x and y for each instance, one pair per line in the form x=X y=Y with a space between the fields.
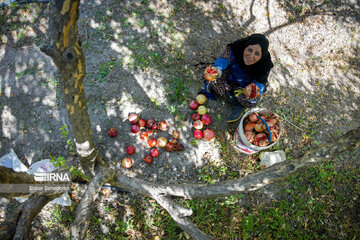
x=211 y=73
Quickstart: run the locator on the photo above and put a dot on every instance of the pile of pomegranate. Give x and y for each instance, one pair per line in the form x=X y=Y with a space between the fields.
x=201 y=119
x=256 y=131
x=146 y=130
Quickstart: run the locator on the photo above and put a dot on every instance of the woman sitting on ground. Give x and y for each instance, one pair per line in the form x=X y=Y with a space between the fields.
x=240 y=74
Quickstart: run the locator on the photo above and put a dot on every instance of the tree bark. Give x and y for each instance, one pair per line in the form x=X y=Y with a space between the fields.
x=65 y=51
x=85 y=208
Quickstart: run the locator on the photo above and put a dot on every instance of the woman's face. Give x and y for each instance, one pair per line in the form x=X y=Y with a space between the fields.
x=252 y=54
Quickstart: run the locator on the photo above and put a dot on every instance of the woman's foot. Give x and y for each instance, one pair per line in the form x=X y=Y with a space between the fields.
x=236 y=113
x=230 y=98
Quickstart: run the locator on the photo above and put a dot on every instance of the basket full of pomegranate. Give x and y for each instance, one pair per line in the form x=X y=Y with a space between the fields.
x=259 y=129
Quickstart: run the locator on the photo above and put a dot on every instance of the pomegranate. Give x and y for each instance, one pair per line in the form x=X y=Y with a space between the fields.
x=208 y=134
x=275 y=118
x=246 y=121
x=206 y=119
x=271 y=121
x=274 y=136
x=201 y=98
x=152 y=142
x=150 y=123
x=154 y=152
x=161 y=142
x=172 y=140
x=198 y=134
x=154 y=127
x=253 y=91
x=148 y=158
x=195 y=116
x=130 y=150
x=133 y=118
x=144 y=136
x=135 y=128
x=210 y=74
x=176 y=134
x=253 y=117
x=201 y=110
x=193 y=104
x=249 y=127
x=112 y=132
x=126 y=162
x=250 y=136
x=179 y=147
x=142 y=122
x=259 y=126
x=169 y=147
x=260 y=136
x=263 y=142
x=275 y=129
x=198 y=124
x=162 y=125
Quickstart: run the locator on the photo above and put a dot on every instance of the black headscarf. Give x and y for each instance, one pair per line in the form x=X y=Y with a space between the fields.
x=260 y=70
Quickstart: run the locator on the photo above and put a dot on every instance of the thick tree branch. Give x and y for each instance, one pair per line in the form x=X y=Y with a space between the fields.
x=179 y=213
x=250 y=182
x=30 y=209
x=17 y=184
x=8 y=177
x=85 y=207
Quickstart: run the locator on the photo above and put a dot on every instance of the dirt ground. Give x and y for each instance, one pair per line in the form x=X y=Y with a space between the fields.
x=137 y=50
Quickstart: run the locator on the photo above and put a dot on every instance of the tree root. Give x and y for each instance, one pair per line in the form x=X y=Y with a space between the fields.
x=85 y=207
x=19 y=225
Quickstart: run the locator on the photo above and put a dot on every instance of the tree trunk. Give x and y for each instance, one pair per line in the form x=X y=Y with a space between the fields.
x=65 y=51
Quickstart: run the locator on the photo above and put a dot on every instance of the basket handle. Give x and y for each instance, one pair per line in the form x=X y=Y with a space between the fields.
x=266 y=127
